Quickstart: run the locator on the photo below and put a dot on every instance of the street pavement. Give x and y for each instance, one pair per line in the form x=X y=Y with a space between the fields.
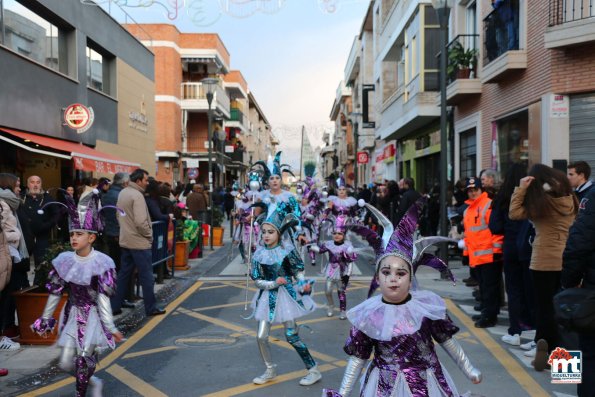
x=204 y=346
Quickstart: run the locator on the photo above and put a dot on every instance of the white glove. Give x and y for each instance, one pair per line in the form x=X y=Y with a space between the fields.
x=461 y=244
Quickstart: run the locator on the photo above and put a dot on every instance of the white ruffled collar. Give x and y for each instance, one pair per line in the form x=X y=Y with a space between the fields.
x=77 y=269
x=346 y=202
x=382 y=321
x=270 y=256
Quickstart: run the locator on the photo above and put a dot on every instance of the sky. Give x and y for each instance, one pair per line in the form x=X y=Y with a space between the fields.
x=292 y=55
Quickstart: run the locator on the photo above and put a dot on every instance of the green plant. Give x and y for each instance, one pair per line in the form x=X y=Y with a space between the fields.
x=460 y=58
x=45 y=266
x=217 y=217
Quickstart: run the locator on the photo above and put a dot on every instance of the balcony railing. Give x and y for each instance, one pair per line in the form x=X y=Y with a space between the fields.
x=501 y=30
x=240 y=156
x=197 y=92
x=563 y=11
x=236 y=115
x=462 y=57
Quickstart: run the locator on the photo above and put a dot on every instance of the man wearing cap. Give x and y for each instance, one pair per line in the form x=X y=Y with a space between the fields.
x=479 y=246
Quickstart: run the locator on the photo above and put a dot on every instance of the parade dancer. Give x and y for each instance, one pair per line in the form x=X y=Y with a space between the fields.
x=86 y=322
x=342 y=204
x=277 y=199
x=246 y=231
x=278 y=272
x=311 y=208
x=399 y=326
x=340 y=265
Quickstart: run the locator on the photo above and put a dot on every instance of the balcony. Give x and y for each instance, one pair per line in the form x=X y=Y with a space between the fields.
x=502 y=54
x=194 y=97
x=462 y=68
x=571 y=22
x=237 y=120
x=240 y=156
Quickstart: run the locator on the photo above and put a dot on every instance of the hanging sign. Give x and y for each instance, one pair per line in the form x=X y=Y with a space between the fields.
x=79 y=117
x=363 y=158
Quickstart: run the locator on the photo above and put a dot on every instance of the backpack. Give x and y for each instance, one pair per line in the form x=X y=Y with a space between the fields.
x=574 y=308
x=5 y=261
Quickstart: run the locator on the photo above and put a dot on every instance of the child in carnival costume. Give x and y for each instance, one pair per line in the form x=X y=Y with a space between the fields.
x=339 y=267
x=86 y=322
x=246 y=231
x=277 y=199
x=399 y=326
x=278 y=272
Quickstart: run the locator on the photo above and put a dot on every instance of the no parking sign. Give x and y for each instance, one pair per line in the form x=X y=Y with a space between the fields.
x=193 y=173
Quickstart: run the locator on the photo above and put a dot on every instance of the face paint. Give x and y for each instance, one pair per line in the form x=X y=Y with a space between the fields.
x=270 y=235
x=394 y=277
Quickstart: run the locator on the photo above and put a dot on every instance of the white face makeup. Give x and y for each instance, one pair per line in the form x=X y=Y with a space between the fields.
x=270 y=235
x=394 y=277
x=342 y=193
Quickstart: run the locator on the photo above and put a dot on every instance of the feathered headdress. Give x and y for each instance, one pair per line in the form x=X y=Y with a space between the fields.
x=276 y=218
x=85 y=218
x=274 y=167
x=399 y=242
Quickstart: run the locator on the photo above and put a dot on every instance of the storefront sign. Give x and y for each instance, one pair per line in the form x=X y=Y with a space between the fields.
x=229 y=149
x=559 y=106
x=390 y=152
x=102 y=166
x=79 y=117
x=363 y=158
x=138 y=121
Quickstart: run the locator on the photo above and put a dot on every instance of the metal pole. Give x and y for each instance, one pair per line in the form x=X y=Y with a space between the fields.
x=355 y=144
x=2 y=18
x=443 y=19
x=210 y=134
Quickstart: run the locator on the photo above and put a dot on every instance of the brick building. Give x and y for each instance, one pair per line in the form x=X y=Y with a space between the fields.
x=182 y=60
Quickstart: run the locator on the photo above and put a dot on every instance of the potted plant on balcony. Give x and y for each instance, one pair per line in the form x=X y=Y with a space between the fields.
x=461 y=61
x=217 y=229
x=31 y=301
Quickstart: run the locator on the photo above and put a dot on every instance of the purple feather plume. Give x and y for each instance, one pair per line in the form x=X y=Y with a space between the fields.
x=435 y=263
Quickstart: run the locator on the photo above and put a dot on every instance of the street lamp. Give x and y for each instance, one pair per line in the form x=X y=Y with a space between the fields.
x=210 y=84
x=354 y=121
x=442 y=8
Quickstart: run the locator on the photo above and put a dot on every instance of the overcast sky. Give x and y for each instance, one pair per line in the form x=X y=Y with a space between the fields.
x=292 y=55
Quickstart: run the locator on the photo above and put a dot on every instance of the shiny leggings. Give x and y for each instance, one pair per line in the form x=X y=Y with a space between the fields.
x=341 y=288
x=81 y=365
x=291 y=335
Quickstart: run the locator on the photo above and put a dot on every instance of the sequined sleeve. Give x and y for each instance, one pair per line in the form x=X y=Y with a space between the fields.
x=443 y=330
x=359 y=344
x=55 y=284
x=255 y=271
x=107 y=282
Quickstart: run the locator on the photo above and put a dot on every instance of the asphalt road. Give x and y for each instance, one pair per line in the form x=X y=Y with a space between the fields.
x=204 y=347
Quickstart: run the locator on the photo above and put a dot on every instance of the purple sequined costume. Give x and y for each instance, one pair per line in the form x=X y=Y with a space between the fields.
x=401 y=337
x=338 y=270
x=86 y=321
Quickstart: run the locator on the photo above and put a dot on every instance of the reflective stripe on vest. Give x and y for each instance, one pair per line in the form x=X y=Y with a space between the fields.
x=483 y=252
x=497 y=245
x=483 y=225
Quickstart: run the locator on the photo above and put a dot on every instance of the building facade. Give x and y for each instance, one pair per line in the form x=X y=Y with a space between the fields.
x=80 y=87
x=182 y=62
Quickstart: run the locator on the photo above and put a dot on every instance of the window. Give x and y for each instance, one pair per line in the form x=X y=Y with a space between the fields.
x=513 y=140
x=468 y=153
x=35 y=36
x=100 y=69
x=94 y=69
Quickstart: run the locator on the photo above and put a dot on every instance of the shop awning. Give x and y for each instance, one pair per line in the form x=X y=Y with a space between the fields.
x=84 y=157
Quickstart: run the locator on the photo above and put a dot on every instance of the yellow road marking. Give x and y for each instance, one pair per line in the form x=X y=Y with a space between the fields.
x=124 y=347
x=233 y=391
x=150 y=351
x=134 y=382
x=214 y=286
x=206 y=340
x=510 y=364
x=249 y=332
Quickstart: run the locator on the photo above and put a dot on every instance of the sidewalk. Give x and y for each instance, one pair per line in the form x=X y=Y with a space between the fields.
x=33 y=365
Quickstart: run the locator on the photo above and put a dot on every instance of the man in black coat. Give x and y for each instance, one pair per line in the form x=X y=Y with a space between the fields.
x=37 y=227
x=578 y=269
x=578 y=174
x=408 y=196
